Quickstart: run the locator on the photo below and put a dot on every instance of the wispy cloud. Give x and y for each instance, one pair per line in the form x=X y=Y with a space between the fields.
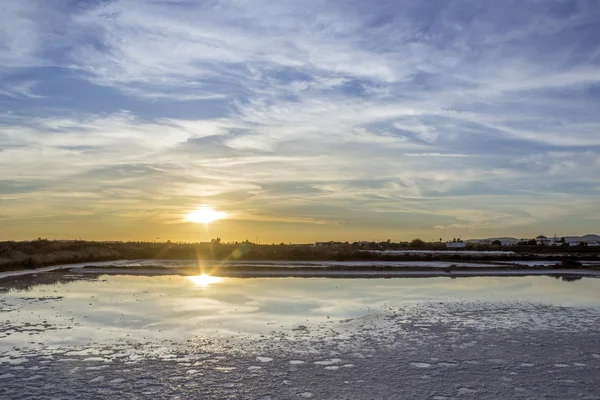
x=21 y=89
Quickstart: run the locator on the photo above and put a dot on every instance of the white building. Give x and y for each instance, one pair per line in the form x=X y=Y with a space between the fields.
x=543 y=240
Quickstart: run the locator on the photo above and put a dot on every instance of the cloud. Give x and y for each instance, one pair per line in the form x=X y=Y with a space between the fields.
x=20 y=36
x=21 y=89
x=453 y=113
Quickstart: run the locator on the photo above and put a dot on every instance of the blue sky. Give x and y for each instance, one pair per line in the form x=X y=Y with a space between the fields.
x=312 y=120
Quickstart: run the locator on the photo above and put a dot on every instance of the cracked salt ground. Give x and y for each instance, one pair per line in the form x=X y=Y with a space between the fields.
x=379 y=372
x=388 y=371
x=472 y=349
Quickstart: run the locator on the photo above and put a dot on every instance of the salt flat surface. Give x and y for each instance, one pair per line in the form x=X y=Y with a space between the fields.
x=64 y=266
x=64 y=336
x=465 y=252
x=209 y=265
x=346 y=273
x=215 y=265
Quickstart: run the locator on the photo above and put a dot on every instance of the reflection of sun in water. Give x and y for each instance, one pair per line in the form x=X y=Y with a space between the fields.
x=204 y=215
x=204 y=280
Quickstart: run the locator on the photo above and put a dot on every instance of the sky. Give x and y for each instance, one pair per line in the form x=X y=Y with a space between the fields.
x=304 y=120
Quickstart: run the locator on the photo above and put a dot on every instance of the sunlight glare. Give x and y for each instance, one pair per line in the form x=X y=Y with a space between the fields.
x=204 y=280
x=205 y=215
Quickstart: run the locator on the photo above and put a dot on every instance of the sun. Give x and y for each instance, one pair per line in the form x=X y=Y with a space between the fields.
x=205 y=215
x=204 y=280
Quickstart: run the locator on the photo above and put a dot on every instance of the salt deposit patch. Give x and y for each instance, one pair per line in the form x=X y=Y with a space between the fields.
x=83 y=352
x=465 y=390
x=33 y=378
x=448 y=364
x=13 y=361
x=420 y=365
x=145 y=381
x=152 y=389
x=328 y=362
x=97 y=368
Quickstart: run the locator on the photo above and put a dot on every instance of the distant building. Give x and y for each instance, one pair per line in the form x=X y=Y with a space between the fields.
x=544 y=241
x=503 y=242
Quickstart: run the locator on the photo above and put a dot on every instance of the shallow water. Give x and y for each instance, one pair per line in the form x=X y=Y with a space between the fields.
x=110 y=307
x=169 y=336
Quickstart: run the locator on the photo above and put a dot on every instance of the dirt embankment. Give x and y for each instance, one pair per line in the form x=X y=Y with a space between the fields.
x=31 y=257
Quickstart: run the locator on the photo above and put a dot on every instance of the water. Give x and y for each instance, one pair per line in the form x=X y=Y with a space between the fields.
x=109 y=307
x=66 y=334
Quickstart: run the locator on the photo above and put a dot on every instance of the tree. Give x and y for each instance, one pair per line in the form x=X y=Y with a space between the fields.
x=497 y=243
x=373 y=246
x=417 y=243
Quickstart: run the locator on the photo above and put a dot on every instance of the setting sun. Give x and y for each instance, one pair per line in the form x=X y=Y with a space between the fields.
x=204 y=280
x=205 y=215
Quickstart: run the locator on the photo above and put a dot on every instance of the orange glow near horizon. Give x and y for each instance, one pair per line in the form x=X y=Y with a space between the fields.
x=205 y=215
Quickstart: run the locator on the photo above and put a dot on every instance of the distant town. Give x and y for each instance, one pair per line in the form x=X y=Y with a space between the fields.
x=458 y=243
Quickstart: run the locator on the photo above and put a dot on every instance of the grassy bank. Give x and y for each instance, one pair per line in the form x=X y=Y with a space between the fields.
x=40 y=253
